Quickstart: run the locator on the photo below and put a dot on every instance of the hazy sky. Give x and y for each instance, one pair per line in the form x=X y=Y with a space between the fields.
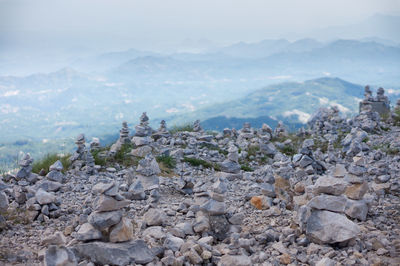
x=167 y=21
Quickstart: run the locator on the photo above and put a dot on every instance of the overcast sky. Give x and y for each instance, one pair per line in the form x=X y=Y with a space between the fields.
x=170 y=21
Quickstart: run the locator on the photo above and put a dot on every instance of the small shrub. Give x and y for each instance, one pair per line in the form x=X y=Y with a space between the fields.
x=186 y=127
x=50 y=159
x=167 y=161
x=246 y=168
x=198 y=162
x=253 y=150
x=288 y=150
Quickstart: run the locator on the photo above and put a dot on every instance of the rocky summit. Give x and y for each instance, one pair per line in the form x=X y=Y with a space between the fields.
x=327 y=194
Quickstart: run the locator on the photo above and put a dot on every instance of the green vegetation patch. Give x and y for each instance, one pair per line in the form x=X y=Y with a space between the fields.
x=167 y=161
x=186 y=127
x=50 y=159
x=246 y=168
x=198 y=162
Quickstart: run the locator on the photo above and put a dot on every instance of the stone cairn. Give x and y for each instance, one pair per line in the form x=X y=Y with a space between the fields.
x=148 y=171
x=95 y=144
x=265 y=135
x=162 y=133
x=197 y=127
x=43 y=205
x=107 y=223
x=25 y=175
x=231 y=163
x=142 y=139
x=215 y=209
x=380 y=103
x=280 y=130
x=55 y=173
x=305 y=162
x=143 y=129
x=123 y=139
x=3 y=205
x=323 y=218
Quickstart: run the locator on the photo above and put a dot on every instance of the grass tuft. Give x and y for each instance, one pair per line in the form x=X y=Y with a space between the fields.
x=50 y=159
x=186 y=127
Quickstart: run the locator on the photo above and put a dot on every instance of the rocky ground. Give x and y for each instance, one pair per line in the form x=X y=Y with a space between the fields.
x=328 y=195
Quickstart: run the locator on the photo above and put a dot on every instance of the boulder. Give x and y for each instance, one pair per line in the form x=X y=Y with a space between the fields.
x=357 y=209
x=106 y=203
x=88 y=232
x=154 y=217
x=116 y=253
x=328 y=202
x=330 y=185
x=327 y=227
x=356 y=191
x=43 y=197
x=103 y=220
x=121 y=232
x=235 y=260
x=59 y=256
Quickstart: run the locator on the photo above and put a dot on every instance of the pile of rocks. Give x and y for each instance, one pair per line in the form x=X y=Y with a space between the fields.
x=143 y=129
x=43 y=204
x=3 y=205
x=55 y=173
x=280 y=130
x=231 y=163
x=95 y=144
x=142 y=139
x=25 y=175
x=197 y=127
x=106 y=222
x=123 y=139
x=323 y=218
x=148 y=171
x=162 y=134
x=305 y=162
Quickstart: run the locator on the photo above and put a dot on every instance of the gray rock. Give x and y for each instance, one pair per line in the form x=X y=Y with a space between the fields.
x=59 y=256
x=116 y=253
x=268 y=189
x=56 y=176
x=173 y=243
x=357 y=209
x=305 y=161
x=48 y=186
x=229 y=167
x=103 y=220
x=57 y=166
x=100 y=188
x=121 y=232
x=154 y=217
x=106 y=203
x=88 y=232
x=330 y=185
x=3 y=202
x=219 y=227
x=43 y=197
x=235 y=260
x=328 y=202
x=327 y=227
x=237 y=218
x=213 y=207
x=55 y=239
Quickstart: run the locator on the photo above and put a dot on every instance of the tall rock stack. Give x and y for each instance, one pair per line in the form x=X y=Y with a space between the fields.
x=148 y=171
x=231 y=163
x=107 y=223
x=55 y=173
x=143 y=129
x=95 y=144
x=142 y=139
x=123 y=139
x=323 y=218
x=162 y=133
x=25 y=175
x=78 y=157
x=3 y=205
x=215 y=208
x=280 y=130
x=265 y=135
x=197 y=127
